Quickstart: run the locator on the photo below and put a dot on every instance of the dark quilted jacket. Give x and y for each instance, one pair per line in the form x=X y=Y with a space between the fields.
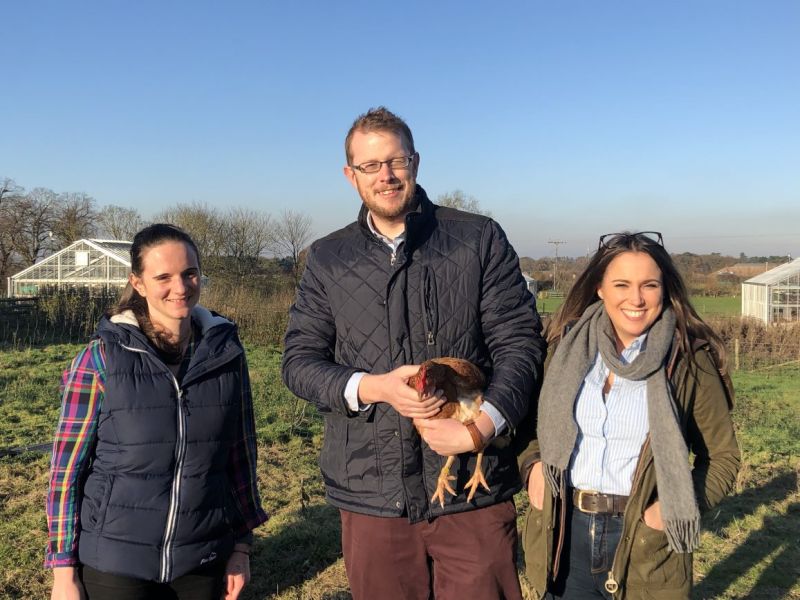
x=453 y=289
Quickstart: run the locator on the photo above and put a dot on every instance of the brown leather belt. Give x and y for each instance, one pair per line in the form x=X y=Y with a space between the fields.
x=596 y=503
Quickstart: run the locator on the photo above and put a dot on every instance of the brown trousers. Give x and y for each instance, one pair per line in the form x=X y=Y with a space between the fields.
x=465 y=556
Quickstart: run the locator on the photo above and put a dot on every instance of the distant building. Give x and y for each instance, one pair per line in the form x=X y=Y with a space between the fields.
x=742 y=270
x=96 y=265
x=774 y=296
x=533 y=285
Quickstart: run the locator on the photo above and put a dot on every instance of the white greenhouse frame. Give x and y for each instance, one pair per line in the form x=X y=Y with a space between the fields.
x=774 y=296
x=96 y=265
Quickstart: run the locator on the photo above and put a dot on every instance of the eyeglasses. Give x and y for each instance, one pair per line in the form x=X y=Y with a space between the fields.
x=615 y=239
x=395 y=164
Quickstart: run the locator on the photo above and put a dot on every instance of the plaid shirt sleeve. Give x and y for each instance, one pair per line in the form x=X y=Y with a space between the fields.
x=82 y=389
x=242 y=463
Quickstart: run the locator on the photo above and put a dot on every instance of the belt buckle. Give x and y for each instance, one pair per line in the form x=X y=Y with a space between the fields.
x=581 y=494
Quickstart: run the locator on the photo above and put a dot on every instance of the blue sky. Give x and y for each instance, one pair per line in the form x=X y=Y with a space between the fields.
x=565 y=119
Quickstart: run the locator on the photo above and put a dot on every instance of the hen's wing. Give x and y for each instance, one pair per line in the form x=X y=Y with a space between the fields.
x=469 y=376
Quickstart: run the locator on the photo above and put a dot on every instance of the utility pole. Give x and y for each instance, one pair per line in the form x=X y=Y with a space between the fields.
x=555 y=243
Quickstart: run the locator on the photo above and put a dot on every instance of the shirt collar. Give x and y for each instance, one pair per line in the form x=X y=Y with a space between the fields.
x=635 y=347
x=392 y=243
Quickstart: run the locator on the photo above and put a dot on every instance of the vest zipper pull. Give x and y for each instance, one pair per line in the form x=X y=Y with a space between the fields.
x=183 y=402
x=393 y=258
x=431 y=340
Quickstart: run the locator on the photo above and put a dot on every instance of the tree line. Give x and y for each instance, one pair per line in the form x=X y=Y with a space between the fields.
x=235 y=243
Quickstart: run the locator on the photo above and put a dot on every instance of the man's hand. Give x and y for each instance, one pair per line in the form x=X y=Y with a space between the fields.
x=393 y=388
x=448 y=437
x=237 y=574
x=66 y=585
x=536 y=486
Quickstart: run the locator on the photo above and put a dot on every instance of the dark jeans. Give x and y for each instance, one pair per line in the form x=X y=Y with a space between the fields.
x=591 y=541
x=205 y=583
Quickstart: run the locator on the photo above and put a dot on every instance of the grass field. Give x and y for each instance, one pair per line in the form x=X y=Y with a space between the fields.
x=749 y=545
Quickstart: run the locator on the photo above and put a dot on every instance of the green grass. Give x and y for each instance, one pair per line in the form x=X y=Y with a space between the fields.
x=727 y=306
x=749 y=548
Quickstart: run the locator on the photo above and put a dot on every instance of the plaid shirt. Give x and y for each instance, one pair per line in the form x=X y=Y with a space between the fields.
x=83 y=388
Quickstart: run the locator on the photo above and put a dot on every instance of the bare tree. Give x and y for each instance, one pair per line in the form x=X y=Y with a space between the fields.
x=9 y=259
x=119 y=223
x=461 y=201
x=75 y=220
x=205 y=226
x=290 y=238
x=247 y=235
x=34 y=217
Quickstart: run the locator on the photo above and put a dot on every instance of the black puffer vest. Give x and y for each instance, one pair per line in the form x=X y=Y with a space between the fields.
x=157 y=502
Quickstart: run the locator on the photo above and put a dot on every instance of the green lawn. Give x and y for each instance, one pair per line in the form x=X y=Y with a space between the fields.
x=749 y=548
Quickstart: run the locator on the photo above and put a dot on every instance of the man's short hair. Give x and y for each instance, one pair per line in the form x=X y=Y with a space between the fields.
x=379 y=119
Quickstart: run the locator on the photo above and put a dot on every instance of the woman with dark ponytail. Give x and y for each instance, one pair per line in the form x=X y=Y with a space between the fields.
x=153 y=477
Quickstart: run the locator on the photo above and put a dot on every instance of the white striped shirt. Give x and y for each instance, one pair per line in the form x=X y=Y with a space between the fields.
x=610 y=432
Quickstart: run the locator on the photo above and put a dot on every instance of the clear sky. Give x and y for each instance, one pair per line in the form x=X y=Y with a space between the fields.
x=565 y=119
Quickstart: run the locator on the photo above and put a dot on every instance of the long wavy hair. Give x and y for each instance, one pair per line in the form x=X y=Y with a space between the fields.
x=689 y=324
x=130 y=299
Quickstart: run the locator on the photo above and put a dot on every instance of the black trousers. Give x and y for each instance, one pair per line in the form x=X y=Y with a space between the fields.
x=204 y=583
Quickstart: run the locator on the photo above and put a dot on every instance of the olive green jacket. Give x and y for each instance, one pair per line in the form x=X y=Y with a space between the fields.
x=644 y=566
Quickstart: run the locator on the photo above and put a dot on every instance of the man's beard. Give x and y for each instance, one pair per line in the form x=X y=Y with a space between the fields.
x=380 y=210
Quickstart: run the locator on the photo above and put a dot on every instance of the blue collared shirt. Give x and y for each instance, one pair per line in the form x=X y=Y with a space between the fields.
x=611 y=431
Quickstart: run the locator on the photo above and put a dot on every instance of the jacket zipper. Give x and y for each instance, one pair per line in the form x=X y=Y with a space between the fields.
x=611 y=584
x=428 y=307
x=561 y=526
x=165 y=567
x=175 y=492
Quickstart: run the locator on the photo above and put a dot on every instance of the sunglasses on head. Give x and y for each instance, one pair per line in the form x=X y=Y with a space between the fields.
x=611 y=239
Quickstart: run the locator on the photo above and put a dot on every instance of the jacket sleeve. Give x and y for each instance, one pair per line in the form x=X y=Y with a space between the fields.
x=511 y=329
x=82 y=393
x=308 y=365
x=242 y=461
x=711 y=435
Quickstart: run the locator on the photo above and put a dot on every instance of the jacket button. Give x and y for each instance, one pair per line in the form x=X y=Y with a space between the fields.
x=398 y=504
x=396 y=433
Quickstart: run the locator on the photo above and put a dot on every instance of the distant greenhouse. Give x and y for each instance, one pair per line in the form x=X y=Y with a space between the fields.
x=99 y=266
x=774 y=296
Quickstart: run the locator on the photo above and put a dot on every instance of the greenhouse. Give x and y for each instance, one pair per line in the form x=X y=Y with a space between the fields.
x=774 y=296
x=98 y=266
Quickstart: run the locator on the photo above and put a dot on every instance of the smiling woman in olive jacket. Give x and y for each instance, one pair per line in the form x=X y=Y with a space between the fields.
x=636 y=382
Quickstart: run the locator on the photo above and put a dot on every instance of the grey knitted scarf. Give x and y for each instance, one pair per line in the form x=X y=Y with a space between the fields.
x=557 y=430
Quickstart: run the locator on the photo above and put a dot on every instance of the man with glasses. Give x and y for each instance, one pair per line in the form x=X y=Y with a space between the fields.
x=407 y=282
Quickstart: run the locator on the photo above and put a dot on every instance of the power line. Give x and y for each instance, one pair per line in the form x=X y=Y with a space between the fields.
x=555 y=243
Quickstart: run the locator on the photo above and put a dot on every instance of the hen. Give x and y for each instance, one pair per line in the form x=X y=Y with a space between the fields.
x=462 y=385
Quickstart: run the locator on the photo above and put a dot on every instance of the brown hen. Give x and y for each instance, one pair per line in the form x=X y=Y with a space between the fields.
x=462 y=385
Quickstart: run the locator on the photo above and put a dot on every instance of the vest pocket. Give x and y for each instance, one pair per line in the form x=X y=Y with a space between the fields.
x=97 y=493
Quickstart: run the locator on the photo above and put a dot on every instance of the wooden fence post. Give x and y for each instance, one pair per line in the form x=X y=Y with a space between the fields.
x=736 y=354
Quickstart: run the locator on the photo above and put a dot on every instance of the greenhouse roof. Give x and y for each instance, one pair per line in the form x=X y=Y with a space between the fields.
x=117 y=250
x=777 y=274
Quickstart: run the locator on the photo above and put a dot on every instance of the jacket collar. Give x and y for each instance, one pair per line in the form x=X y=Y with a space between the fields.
x=419 y=222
